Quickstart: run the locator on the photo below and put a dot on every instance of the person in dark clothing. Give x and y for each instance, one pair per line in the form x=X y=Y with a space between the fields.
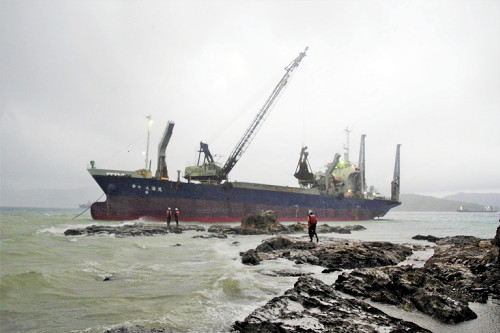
x=176 y=215
x=169 y=216
x=311 y=225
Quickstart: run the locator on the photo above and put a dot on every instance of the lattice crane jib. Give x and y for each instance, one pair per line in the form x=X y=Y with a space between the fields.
x=254 y=127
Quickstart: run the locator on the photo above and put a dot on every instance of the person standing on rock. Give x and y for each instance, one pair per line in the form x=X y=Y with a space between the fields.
x=169 y=216
x=311 y=225
x=176 y=215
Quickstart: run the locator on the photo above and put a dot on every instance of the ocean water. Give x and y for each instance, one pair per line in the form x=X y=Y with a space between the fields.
x=53 y=283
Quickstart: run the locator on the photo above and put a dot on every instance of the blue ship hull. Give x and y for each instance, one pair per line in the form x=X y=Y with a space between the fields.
x=142 y=198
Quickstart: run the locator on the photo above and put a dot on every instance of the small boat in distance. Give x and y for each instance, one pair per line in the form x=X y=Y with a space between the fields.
x=487 y=209
x=85 y=205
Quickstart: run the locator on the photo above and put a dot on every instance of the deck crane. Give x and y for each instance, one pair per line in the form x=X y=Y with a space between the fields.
x=254 y=127
x=209 y=172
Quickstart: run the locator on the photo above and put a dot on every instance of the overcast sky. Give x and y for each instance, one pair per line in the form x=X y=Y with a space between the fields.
x=78 y=79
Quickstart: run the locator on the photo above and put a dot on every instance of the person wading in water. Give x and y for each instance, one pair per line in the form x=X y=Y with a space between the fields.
x=311 y=225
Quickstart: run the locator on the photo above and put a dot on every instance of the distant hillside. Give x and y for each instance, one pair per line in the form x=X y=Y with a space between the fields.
x=416 y=203
x=483 y=199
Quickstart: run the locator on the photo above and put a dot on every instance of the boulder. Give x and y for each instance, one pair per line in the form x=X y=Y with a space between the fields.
x=312 y=306
x=409 y=288
x=332 y=254
x=469 y=264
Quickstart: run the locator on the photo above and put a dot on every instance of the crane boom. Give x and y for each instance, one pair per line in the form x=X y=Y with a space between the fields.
x=254 y=127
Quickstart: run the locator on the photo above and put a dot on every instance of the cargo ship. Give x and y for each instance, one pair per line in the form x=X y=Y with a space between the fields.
x=206 y=195
x=487 y=209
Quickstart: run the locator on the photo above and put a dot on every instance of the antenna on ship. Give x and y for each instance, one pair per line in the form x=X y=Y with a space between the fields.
x=362 y=164
x=346 y=146
x=150 y=121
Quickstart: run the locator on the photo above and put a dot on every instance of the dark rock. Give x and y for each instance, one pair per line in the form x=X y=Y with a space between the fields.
x=285 y=272
x=408 y=288
x=429 y=238
x=222 y=236
x=312 y=306
x=333 y=254
x=131 y=230
x=251 y=257
x=266 y=223
x=324 y=228
x=136 y=329
x=496 y=242
x=74 y=232
x=221 y=229
x=469 y=264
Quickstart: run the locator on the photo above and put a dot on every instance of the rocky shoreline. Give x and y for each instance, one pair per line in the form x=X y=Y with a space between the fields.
x=462 y=269
x=262 y=224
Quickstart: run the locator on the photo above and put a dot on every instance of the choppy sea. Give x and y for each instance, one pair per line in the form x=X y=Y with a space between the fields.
x=53 y=283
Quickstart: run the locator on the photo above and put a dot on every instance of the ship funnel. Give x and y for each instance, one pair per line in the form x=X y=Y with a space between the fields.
x=396 y=180
x=161 y=171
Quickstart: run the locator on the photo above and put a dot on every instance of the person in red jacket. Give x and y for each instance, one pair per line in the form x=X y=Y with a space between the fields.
x=311 y=225
x=176 y=215
x=169 y=216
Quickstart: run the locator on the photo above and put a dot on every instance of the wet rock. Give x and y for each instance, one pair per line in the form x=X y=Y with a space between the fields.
x=469 y=264
x=74 y=232
x=409 y=288
x=131 y=230
x=324 y=228
x=136 y=329
x=221 y=229
x=496 y=242
x=286 y=272
x=312 y=306
x=332 y=254
x=429 y=238
x=266 y=223
x=222 y=236
x=250 y=257
x=496 y=239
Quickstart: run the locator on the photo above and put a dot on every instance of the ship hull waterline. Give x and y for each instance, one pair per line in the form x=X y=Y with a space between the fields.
x=148 y=199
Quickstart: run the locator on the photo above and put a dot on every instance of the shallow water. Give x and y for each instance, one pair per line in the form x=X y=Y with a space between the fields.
x=54 y=283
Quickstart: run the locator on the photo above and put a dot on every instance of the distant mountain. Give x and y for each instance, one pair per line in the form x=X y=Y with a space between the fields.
x=416 y=203
x=49 y=198
x=483 y=199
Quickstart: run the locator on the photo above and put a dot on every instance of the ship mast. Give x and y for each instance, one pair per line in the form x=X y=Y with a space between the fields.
x=395 y=184
x=150 y=121
x=346 y=146
x=362 y=165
